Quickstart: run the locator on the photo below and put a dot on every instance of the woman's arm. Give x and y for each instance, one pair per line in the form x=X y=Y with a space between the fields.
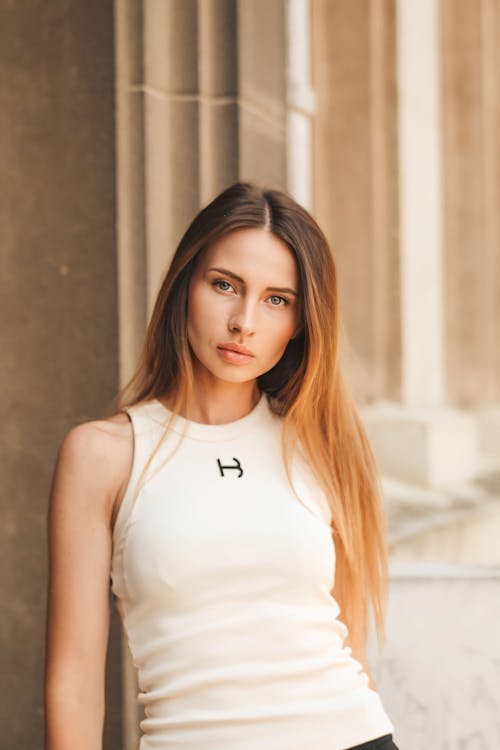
x=84 y=487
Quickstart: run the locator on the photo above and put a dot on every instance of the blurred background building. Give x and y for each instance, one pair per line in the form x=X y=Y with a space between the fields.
x=118 y=121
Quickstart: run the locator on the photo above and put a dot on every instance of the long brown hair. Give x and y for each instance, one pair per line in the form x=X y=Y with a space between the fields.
x=305 y=387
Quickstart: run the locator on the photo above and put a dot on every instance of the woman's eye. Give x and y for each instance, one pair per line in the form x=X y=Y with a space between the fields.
x=276 y=300
x=224 y=286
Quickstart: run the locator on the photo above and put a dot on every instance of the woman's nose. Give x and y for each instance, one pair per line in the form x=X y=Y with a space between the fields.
x=242 y=320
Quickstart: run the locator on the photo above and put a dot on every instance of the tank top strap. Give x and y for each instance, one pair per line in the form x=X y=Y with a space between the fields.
x=146 y=431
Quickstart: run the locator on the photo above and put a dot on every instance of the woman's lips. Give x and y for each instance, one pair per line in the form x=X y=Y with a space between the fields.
x=234 y=354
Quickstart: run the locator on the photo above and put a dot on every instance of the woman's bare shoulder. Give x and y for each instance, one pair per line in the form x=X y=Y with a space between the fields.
x=104 y=439
x=103 y=447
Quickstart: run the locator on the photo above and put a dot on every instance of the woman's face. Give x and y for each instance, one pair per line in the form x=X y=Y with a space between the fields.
x=243 y=305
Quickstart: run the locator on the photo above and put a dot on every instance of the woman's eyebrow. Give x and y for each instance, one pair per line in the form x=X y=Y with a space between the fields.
x=226 y=272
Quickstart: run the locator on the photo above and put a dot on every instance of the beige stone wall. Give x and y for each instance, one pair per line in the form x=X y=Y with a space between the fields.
x=58 y=323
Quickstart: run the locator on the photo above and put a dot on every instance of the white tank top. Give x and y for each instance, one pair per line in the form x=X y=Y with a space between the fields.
x=223 y=579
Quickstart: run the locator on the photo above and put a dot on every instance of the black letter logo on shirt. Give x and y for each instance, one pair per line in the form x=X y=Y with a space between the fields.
x=236 y=466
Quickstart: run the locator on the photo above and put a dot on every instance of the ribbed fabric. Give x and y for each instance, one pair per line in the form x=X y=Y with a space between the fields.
x=223 y=577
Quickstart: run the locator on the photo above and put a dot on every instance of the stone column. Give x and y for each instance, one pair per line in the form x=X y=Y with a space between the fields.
x=420 y=197
x=421 y=439
x=130 y=183
x=355 y=180
x=171 y=146
x=262 y=91
x=300 y=102
x=218 y=123
x=471 y=159
x=58 y=326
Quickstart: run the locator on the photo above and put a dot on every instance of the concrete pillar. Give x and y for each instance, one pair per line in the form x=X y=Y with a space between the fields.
x=378 y=192
x=130 y=183
x=471 y=159
x=420 y=195
x=218 y=71
x=171 y=110
x=300 y=100
x=262 y=91
x=355 y=180
x=58 y=323
x=471 y=156
x=420 y=438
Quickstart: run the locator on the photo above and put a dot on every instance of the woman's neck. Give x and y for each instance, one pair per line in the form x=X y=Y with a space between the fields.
x=219 y=402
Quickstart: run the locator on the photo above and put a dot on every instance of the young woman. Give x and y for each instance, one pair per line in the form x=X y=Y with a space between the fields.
x=233 y=501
